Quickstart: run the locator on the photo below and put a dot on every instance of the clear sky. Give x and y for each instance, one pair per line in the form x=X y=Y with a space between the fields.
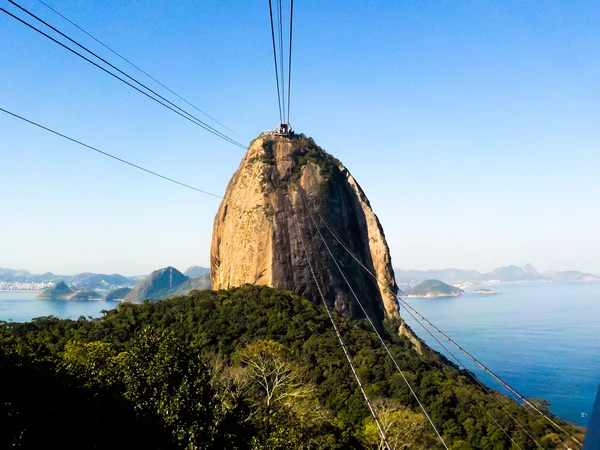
x=473 y=128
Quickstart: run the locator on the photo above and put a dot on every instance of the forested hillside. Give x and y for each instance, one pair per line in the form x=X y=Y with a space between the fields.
x=248 y=368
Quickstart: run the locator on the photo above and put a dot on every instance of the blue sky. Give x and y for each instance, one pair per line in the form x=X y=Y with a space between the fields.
x=471 y=126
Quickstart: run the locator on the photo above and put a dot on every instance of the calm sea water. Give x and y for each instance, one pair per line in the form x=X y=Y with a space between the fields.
x=22 y=306
x=542 y=338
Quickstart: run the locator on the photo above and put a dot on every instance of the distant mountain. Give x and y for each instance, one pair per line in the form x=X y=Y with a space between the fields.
x=530 y=270
x=196 y=271
x=60 y=291
x=6 y=273
x=164 y=283
x=444 y=274
x=570 y=275
x=513 y=273
x=202 y=282
x=99 y=281
x=503 y=274
x=117 y=294
x=85 y=280
x=22 y=276
x=434 y=288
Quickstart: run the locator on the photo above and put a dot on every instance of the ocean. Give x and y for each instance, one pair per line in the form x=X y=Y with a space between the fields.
x=542 y=338
x=22 y=306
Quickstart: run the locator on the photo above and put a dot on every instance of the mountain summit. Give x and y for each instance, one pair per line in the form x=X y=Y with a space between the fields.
x=285 y=191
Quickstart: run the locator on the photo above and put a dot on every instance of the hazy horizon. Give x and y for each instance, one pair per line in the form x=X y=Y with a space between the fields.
x=183 y=268
x=472 y=128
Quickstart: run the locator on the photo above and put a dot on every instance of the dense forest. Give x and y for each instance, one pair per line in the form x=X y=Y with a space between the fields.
x=248 y=368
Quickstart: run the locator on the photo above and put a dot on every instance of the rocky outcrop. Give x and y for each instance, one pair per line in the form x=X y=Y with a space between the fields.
x=165 y=283
x=158 y=285
x=285 y=193
x=60 y=291
x=418 y=344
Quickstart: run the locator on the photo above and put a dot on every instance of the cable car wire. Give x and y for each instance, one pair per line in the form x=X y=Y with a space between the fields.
x=289 y=60
x=458 y=361
x=137 y=67
x=275 y=60
x=279 y=56
x=485 y=389
x=339 y=336
x=281 y=52
x=475 y=360
x=185 y=114
x=373 y=326
x=490 y=372
x=64 y=136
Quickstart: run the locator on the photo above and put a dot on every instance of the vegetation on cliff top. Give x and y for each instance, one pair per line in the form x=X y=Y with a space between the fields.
x=189 y=372
x=304 y=150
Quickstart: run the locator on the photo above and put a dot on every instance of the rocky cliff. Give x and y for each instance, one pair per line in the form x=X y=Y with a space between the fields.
x=281 y=186
x=164 y=283
x=158 y=285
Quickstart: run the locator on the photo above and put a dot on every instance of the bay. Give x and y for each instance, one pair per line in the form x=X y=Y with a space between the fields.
x=22 y=306
x=541 y=338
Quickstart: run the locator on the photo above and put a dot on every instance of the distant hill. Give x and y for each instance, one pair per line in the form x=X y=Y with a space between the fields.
x=60 y=291
x=443 y=274
x=504 y=274
x=434 y=288
x=196 y=271
x=23 y=276
x=571 y=275
x=202 y=282
x=84 y=295
x=99 y=281
x=164 y=283
x=117 y=294
x=513 y=273
x=85 y=280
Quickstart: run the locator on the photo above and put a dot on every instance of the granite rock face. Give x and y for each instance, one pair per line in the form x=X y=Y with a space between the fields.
x=285 y=192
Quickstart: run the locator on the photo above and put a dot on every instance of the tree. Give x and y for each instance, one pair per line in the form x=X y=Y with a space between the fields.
x=404 y=429
x=276 y=385
x=96 y=363
x=166 y=378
